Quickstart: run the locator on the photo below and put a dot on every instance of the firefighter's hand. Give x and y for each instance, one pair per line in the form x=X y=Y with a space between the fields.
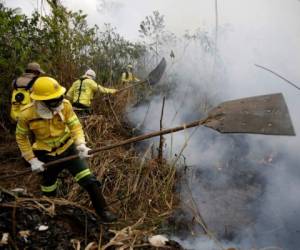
x=36 y=165
x=83 y=151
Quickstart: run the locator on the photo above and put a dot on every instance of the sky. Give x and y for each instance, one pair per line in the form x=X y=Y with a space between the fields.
x=180 y=15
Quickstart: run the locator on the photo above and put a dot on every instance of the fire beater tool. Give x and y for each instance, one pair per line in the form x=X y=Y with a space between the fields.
x=266 y=114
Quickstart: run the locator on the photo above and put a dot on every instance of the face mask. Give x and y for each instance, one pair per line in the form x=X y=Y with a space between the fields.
x=54 y=103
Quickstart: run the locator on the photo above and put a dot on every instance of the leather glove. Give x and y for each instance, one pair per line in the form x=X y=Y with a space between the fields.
x=36 y=165
x=83 y=151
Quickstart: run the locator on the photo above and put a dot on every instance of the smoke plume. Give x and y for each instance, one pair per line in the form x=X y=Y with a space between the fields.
x=245 y=186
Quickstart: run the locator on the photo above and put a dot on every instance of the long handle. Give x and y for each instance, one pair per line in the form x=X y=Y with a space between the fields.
x=133 y=85
x=132 y=140
x=108 y=147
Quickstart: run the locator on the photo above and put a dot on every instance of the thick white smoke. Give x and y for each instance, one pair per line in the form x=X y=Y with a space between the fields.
x=246 y=186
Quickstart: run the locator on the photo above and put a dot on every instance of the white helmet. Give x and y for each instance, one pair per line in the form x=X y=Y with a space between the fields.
x=91 y=73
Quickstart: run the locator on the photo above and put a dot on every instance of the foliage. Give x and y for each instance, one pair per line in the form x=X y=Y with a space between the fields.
x=63 y=43
x=16 y=44
x=202 y=37
x=156 y=38
x=113 y=53
x=152 y=26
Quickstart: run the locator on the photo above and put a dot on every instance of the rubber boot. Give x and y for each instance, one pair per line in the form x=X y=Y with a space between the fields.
x=99 y=203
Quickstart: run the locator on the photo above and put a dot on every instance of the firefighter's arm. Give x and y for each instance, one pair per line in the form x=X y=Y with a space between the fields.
x=74 y=125
x=98 y=87
x=22 y=138
x=77 y=133
x=106 y=90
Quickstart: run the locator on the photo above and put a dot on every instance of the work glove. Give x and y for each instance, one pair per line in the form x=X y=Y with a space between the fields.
x=83 y=151
x=36 y=165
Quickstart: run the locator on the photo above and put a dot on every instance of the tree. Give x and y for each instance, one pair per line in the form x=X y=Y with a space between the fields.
x=112 y=52
x=63 y=43
x=17 y=46
x=156 y=37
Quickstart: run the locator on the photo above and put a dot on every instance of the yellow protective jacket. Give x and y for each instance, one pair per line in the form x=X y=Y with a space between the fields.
x=128 y=77
x=54 y=135
x=21 y=93
x=83 y=90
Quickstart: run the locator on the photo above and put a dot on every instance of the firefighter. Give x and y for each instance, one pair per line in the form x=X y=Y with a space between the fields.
x=128 y=76
x=83 y=90
x=21 y=88
x=57 y=133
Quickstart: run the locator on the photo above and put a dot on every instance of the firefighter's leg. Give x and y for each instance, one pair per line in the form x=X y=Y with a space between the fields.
x=84 y=177
x=93 y=187
x=49 y=186
x=49 y=176
x=49 y=180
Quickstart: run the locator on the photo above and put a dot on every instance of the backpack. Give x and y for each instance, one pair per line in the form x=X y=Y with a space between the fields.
x=21 y=95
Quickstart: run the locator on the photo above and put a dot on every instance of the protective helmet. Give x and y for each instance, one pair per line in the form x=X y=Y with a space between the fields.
x=90 y=73
x=33 y=66
x=129 y=66
x=46 y=88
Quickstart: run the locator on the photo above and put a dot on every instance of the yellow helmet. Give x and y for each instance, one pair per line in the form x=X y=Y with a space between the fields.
x=46 y=88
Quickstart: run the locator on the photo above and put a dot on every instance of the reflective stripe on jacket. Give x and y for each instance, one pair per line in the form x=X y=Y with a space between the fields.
x=54 y=135
x=87 y=91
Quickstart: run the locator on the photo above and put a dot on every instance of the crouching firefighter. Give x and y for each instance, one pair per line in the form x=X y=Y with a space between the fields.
x=57 y=133
x=83 y=90
x=21 y=88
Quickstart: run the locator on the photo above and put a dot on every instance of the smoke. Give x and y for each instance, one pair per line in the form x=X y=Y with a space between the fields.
x=245 y=186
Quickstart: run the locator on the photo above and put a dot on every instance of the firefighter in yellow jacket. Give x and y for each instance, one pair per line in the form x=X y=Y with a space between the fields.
x=57 y=133
x=83 y=90
x=128 y=76
x=21 y=88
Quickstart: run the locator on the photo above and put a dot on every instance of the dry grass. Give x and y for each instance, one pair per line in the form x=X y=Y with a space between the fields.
x=137 y=188
x=137 y=185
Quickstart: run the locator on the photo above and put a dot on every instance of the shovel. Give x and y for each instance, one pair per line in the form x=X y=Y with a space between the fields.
x=266 y=114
